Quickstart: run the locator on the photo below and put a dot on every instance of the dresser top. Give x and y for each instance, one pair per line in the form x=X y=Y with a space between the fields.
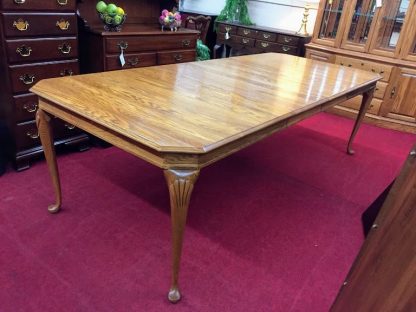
x=140 y=29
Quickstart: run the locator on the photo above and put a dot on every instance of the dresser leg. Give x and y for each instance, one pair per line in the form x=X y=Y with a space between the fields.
x=180 y=184
x=46 y=137
x=367 y=98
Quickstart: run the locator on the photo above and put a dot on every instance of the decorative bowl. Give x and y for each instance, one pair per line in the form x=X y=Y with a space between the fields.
x=112 y=23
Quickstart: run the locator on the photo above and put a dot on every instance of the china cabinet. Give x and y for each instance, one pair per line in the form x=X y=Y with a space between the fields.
x=377 y=36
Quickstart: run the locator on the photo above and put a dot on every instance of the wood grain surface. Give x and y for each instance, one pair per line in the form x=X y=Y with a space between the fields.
x=195 y=107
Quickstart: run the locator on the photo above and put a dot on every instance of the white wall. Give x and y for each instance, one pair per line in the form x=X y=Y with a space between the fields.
x=282 y=14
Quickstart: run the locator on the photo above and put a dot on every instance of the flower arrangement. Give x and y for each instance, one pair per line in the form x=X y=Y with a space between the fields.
x=170 y=20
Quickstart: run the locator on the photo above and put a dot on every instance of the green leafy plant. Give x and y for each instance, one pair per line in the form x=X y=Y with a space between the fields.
x=235 y=10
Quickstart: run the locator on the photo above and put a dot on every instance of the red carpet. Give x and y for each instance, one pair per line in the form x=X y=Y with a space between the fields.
x=272 y=228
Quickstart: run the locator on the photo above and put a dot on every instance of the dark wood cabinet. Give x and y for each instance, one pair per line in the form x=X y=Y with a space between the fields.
x=38 y=41
x=241 y=39
x=141 y=41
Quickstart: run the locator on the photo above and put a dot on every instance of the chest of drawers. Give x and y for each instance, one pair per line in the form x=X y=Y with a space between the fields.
x=39 y=39
x=241 y=39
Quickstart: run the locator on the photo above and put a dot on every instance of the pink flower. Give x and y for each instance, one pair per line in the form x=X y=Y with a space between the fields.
x=165 y=12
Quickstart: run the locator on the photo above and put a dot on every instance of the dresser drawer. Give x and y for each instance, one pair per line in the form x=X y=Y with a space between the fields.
x=275 y=47
x=248 y=42
x=42 y=49
x=64 y=130
x=23 y=77
x=382 y=69
x=132 y=44
x=176 y=57
x=61 y=5
x=34 y=24
x=246 y=32
x=267 y=36
x=26 y=135
x=355 y=103
x=222 y=28
x=288 y=40
x=132 y=61
x=25 y=106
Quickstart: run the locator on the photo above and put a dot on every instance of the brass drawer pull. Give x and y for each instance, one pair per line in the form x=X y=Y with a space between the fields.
x=186 y=43
x=65 y=48
x=27 y=79
x=62 y=24
x=178 y=57
x=287 y=39
x=228 y=28
x=30 y=107
x=62 y=2
x=69 y=126
x=123 y=45
x=285 y=48
x=33 y=134
x=24 y=51
x=245 y=40
x=133 y=62
x=393 y=92
x=266 y=36
x=19 y=1
x=373 y=70
x=21 y=24
x=264 y=44
x=66 y=72
x=349 y=65
x=382 y=72
x=246 y=31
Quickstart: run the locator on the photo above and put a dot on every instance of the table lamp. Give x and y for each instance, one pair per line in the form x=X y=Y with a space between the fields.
x=302 y=30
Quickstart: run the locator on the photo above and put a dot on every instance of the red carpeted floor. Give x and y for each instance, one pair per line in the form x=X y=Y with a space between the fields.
x=274 y=227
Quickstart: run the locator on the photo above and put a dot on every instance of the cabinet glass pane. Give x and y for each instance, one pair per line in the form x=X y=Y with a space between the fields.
x=330 y=21
x=361 y=21
x=394 y=13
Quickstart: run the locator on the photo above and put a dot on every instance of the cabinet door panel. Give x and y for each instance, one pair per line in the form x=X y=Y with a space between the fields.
x=331 y=19
x=401 y=96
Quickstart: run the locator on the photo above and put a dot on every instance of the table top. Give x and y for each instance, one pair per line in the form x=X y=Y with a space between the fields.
x=199 y=106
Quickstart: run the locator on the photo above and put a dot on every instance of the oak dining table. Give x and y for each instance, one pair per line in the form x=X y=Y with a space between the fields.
x=183 y=117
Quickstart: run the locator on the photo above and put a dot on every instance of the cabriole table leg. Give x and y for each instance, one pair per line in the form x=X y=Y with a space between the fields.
x=180 y=184
x=46 y=137
x=367 y=98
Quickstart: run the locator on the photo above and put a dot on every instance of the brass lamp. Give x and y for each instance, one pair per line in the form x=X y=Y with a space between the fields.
x=302 y=30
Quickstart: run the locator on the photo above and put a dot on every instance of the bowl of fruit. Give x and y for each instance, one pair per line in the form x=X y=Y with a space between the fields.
x=112 y=15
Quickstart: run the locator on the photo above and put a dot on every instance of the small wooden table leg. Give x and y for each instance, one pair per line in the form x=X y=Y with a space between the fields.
x=180 y=184
x=367 y=98
x=43 y=120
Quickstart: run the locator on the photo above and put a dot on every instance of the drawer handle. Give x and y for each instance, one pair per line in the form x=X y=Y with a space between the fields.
x=245 y=40
x=178 y=57
x=228 y=28
x=21 y=24
x=123 y=45
x=286 y=48
x=362 y=64
x=30 y=107
x=69 y=126
x=393 y=92
x=62 y=24
x=382 y=72
x=24 y=51
x=287 y=39
x=264 y=44
x=349 y=65
x=33 y=134
x=246 y=31
x=373 y=70
x=19 y=1
x=65 y=48
x=62 y=2
x=66 y=72
x=266 y=36
x=133 y=62
x=342 y=64
x=186 y=43
x=27 y=79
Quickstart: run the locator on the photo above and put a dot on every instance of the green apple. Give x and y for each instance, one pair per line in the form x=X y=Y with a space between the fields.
x=118 y=19
x=112 y=9
x=108 y=20
x=101 y=7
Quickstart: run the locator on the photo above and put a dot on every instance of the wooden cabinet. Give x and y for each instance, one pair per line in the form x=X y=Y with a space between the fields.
x=141 y=42
x=359 y=34
x=38 y=41
x=240 y=40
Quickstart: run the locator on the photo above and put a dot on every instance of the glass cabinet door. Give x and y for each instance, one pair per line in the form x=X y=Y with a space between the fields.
x=362 y=18
x=331 y=19
x=391 y=24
